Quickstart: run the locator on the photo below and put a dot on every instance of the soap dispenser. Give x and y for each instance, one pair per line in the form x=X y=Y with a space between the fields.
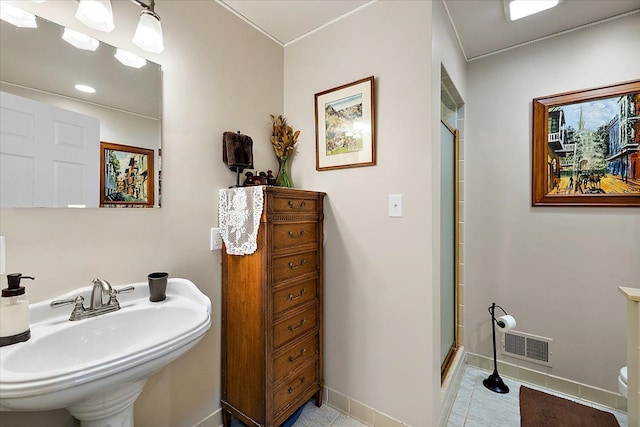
x=14 y=311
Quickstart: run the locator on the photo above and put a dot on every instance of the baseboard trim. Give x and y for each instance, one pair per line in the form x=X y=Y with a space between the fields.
x=451 y=384
x=359 y=411
x=561 y=385
x=338 y=401
x=214 y=419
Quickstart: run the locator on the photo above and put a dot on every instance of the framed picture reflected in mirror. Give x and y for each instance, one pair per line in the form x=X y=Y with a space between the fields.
x=126 y=176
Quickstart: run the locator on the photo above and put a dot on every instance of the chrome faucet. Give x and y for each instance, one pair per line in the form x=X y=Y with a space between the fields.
x=97 y=307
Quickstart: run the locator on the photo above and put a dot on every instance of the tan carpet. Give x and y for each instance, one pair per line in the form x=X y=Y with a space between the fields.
x=539 y=409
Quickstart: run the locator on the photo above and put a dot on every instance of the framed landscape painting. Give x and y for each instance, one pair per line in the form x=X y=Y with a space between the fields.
x=345 y=125
x=126 y=176
x=586 y=147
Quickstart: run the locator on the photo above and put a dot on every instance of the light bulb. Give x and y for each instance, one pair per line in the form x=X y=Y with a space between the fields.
x=79 y=40
x=96 y=14
x=130 y=59
x=17 y=17
x=521 y=8
x=148 y=34
x=85 y=88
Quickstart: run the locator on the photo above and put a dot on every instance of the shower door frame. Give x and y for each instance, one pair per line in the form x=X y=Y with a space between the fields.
x=446 y=364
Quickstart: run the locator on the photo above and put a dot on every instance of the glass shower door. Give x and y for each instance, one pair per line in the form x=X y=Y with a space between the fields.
x=448 y=259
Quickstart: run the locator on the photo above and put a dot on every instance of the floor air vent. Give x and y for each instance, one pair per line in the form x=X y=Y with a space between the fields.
x=527 y=347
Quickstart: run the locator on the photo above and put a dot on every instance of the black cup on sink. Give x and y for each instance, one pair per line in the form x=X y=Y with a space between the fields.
x=157 y=286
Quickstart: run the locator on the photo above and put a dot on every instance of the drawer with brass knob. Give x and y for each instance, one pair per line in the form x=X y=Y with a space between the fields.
x=286 y=235
x=294 y=326
x=293 y=296
x=290 y=266
x=294 y=356
x=287 y=204
x=305 y=380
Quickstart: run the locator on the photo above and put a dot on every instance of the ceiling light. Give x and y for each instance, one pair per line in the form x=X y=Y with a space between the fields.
x=38 y=1
x=148 y=34
x=79 y=40
x=85 y=88
x=517 y=9
x=96 y=14
x=130 y=59
x=17 y=17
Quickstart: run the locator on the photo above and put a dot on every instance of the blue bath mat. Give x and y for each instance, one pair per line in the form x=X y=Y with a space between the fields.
x=293 y=418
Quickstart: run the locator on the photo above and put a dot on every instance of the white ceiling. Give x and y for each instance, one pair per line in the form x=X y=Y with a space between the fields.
x=288 y=20
x=480 y=24
x=482 y=27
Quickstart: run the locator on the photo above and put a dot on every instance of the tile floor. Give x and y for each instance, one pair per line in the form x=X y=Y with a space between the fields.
x=476 y=406
x=324 y=416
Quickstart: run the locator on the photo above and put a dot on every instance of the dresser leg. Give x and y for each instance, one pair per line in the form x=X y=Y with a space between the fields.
x=319 y=398
x=226 y=418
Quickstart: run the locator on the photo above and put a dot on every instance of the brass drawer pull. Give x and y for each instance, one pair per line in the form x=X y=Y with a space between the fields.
x=293 y=297
x=296 y=236
x=291 y=389
x=292 y=359
x=293 y=328
x=292 y=206
x=295 y=267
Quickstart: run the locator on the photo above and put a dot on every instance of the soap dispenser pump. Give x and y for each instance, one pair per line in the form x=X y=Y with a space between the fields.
x=14 y=311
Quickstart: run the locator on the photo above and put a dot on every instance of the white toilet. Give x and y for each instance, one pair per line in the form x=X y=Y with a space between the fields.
x=622 y=381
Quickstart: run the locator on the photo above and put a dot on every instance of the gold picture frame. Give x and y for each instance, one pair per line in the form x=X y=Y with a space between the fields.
x=345 y=126
x=126 y=176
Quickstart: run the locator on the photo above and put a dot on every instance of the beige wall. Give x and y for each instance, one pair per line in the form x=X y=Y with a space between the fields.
x=555 y=269
x=381 y=308
x=219 y=74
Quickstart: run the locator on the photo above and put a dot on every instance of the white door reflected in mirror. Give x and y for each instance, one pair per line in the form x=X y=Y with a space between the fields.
x=49 y=156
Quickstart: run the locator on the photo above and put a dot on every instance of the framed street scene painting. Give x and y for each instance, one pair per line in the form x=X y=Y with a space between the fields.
x=345 y=126
x=126 y=176
x=586 y=147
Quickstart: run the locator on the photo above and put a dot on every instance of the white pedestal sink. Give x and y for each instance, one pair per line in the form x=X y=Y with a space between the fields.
x=97 y=367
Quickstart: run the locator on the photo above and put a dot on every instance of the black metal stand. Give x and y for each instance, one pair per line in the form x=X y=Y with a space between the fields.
x=494 y=382
x=238 y=172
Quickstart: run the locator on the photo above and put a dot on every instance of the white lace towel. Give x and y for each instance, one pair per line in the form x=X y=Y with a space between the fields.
x=239 y=212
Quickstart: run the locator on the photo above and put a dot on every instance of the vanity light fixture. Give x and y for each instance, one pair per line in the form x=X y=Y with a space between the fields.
x=17 y=17
x=148 y=35
x=96 y=14
x=85 y=88
x=130 y=59
x=516 y=9
x=79 y=40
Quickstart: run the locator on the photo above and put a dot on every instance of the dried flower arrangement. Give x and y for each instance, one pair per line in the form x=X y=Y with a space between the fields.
x=283 y=139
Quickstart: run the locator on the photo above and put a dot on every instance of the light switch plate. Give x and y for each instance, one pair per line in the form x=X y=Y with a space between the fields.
x=395 y=205
x=216 y=240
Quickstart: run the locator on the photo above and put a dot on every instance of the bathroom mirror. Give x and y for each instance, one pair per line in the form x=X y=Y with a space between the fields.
x=39 y=69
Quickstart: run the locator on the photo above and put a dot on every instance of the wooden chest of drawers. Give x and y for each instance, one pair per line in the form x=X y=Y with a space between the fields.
x=272 y=313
